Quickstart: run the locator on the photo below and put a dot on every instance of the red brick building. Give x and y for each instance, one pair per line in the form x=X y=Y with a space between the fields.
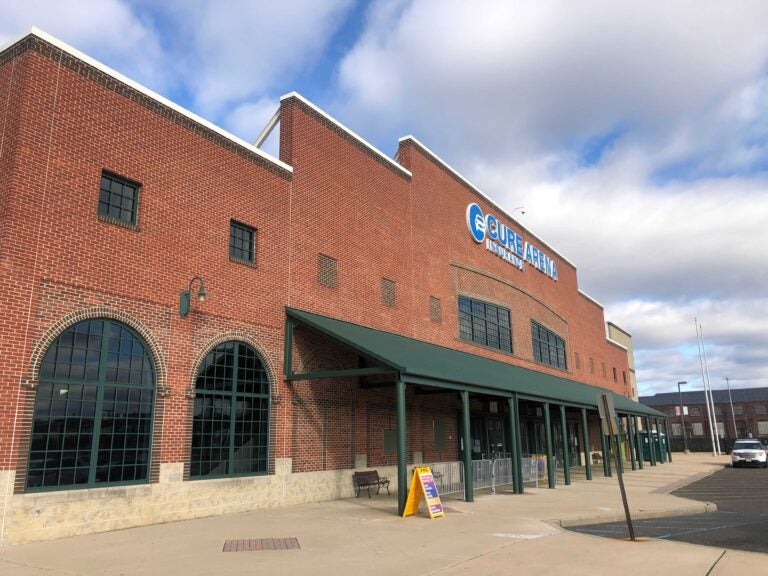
x=359 y=312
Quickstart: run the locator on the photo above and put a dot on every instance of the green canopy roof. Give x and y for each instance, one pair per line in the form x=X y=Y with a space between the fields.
x=431 y=365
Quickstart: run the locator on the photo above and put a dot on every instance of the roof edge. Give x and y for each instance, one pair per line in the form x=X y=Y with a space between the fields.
x=42 y=35
x=348 y=131
x=479 y=192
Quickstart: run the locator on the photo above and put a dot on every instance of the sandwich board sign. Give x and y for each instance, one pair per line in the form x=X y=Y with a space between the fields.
x=423 y=485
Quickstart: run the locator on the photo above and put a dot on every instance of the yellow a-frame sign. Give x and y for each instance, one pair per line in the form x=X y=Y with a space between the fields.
x=423 y=484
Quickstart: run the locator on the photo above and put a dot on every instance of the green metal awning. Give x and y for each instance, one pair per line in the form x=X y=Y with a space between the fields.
x=427 y=364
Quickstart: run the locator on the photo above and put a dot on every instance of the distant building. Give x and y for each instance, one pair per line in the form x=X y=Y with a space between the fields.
x=750 y=413
x=627 y=377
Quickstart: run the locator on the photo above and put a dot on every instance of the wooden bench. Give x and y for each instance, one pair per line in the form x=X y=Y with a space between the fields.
x=367 y=479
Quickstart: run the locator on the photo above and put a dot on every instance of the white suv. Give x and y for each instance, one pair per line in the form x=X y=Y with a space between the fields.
x=746 y=452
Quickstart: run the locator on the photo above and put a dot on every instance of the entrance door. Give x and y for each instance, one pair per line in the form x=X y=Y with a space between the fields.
x=488 y=437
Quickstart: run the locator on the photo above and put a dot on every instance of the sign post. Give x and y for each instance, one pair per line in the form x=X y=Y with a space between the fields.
x=611 y=429
x=423 y=485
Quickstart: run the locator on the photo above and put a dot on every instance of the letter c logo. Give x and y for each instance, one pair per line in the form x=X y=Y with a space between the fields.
x=476 y=222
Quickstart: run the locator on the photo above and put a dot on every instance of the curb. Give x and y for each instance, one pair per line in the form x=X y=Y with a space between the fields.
x=703 y=508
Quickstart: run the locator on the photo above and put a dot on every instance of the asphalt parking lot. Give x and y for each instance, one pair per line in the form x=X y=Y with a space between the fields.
x=740 y=523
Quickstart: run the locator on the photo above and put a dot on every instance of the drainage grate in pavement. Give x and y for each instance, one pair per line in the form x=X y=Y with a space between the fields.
x=257 y=544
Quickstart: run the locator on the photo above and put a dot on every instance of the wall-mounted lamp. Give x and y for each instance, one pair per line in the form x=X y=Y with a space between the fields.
x=186 y=296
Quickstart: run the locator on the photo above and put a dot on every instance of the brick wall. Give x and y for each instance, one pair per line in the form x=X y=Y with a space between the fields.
x=64 y=122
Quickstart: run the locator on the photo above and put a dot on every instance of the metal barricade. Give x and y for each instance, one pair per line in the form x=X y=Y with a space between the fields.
x=449 y=476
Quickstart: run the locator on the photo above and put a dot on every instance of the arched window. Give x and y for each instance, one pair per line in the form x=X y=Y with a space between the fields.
x=92 y=423
x=230 y=430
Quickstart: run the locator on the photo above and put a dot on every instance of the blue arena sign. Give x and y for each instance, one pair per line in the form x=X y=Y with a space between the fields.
x=504 y=242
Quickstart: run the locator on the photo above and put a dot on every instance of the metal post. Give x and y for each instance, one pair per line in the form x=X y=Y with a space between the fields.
x=513 y=432
x=651 y=447
x=619 y=459
x=469 y=488
x=733 y=415
x=519 y=445
x=550 y=456
x=587 y=451
x=662 y=452
x=623 y=493
x=669 y=446
x=712 y=431
x=566 y=458
x=402 y=470
x=631 y=435
x=682 y=417
x=606 y=455
x=638 y=442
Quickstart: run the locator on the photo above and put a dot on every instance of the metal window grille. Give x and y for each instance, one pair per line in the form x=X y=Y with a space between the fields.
x=388 y=292
x=230 y=425
x=118 y=200
x=92 y=422
x=485 y=324
x=327 y=271
x=242 y=242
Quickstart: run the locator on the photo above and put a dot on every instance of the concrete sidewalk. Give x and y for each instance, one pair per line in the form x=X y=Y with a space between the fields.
x=497 y=534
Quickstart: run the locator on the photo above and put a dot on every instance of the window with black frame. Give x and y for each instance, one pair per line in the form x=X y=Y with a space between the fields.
x=485 y=324
x=92 y=421
x=230 y=428
x=242 y=243
x=548 y=347
x=118 y=200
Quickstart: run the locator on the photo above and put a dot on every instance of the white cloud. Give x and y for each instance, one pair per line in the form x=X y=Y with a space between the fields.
x=635 y=135
x=234 y=50
x=108 y=30
x=249 y=119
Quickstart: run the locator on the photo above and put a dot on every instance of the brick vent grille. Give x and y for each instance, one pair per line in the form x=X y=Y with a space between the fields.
x=387 y=292
x=258 y=544
x=435 y=309
x=327 y=271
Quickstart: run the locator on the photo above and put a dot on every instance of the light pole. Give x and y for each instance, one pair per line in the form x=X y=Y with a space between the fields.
x=682 y=418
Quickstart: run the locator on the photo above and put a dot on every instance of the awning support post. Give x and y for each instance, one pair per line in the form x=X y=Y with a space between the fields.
x=514 y=432
x=658 y=440
x=606 y=455
x=288 y=348
x=638 y=442
x=669 y=444
x=585 y=441
x=402 y=470
x=566 y=457
x=651 y=443
x=550 y=456
x=469 y=489
x=631 y=434
x=518 y=445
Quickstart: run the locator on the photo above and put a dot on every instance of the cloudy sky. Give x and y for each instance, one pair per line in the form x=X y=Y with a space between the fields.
x=635 y=134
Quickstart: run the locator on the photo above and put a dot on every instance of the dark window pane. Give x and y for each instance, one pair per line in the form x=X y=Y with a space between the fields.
x=118 y=199
x=485 y=324
x=63 y=420
x=231 y=382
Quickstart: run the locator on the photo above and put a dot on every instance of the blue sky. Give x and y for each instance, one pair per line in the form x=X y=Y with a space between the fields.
x=635 y=134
